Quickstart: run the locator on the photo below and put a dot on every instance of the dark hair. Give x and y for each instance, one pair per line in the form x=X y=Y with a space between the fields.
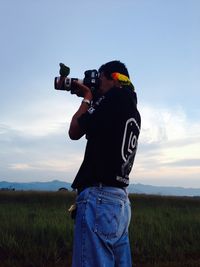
x=113 y=66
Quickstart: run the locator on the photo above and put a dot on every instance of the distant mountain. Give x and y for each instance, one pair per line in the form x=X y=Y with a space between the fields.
x=163 y=190
x=133 y=188
x=37 y=186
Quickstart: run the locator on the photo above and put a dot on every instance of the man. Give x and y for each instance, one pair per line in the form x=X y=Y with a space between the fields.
x=111 y=125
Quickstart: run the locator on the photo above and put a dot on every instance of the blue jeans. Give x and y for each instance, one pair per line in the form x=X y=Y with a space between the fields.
x=101 y=228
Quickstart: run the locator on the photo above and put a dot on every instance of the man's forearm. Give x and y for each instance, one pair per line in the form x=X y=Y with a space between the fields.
x=75 y=132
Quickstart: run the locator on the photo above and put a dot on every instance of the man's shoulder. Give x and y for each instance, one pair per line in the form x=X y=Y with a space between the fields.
x=120 y=92
x=123 y=95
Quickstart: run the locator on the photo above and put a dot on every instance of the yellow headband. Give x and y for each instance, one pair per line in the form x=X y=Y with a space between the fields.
x=123 y=79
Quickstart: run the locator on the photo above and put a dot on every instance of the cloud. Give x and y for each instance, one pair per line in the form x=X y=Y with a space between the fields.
x=195 y=162
x=59 y=165
x=21 y=166
x=165 y=128
x=39 y=117
x=168 y=150
x=28 y=157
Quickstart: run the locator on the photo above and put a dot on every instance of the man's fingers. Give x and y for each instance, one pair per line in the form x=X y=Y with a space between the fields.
x=81 y=86
x=76 y=91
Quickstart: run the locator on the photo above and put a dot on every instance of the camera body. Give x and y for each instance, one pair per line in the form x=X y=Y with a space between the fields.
x=90 y=80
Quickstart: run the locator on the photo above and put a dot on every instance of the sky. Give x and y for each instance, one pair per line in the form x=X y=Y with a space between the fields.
x=158 y=41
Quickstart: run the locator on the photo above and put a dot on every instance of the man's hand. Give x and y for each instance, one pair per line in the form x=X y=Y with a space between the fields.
x=81 y=90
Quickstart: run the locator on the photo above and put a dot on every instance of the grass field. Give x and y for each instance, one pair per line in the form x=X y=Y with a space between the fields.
x=36 y=231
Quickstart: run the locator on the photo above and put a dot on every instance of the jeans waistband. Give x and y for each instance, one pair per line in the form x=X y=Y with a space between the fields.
x=99 y=185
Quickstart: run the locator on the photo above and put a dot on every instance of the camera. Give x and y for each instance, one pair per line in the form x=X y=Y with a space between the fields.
x=65 y=83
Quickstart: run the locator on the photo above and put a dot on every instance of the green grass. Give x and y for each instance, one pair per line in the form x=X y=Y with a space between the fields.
x=36 y=230
x=165 y=229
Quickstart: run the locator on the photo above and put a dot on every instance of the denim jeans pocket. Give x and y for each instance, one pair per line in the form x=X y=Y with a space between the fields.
x=80 y=209
x=108 y=217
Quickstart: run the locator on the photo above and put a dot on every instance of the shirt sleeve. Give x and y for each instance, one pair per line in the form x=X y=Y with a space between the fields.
x=100 y=117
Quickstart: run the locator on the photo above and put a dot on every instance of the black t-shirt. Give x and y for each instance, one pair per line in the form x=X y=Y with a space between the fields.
x=112 y=127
